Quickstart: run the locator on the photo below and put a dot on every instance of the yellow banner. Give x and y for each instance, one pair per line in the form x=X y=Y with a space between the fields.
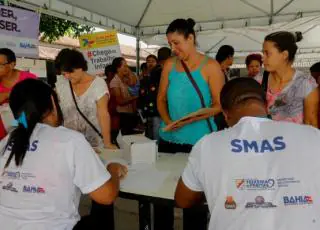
x=98 y=40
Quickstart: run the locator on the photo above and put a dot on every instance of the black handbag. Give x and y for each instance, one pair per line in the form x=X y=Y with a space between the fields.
x=82 y=115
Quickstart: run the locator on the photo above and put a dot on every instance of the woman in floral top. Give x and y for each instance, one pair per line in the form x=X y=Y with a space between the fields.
x=292 y=95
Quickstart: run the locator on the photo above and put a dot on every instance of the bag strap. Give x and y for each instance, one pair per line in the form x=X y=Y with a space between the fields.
x=265 y=80
x=82 y=115
x=196 y=87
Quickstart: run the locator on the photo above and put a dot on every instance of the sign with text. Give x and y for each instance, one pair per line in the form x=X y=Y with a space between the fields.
x=100 y=49
x=19 y=31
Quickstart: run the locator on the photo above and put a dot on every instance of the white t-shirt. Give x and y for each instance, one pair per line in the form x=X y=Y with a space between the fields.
x=44 y=193
x=87 y=103
x=260 y=174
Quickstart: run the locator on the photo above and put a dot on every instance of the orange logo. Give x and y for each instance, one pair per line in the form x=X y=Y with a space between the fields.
x=230 y=203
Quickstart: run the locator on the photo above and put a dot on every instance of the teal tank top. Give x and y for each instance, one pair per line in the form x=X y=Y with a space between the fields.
x=182 y=100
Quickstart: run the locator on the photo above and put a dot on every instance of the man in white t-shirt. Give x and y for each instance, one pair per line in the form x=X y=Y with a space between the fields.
x=259 y=174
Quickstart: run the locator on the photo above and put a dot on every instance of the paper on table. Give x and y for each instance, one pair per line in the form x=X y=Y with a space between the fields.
x=198 y=113
x=143 y=177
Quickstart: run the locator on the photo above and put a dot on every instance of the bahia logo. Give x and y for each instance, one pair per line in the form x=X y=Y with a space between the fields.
x=297 y=200
x=32 y=147
x=240 y=146
x=33 y=189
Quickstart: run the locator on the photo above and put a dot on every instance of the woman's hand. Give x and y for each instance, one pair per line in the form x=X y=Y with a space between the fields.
x=117 y=169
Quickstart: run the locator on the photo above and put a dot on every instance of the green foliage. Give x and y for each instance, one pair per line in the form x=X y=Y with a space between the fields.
x=52 y=28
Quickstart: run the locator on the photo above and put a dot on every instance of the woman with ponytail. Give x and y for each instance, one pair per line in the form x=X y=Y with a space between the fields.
x=291 y=94
x=44 y=167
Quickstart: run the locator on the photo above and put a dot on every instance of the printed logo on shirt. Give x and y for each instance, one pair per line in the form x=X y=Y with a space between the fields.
x=33 y=189
x=255 y=184
x=32 y=147
x=9 y=187
x=259 y=202
x=297 y=200
x=285 y=182
x=17 y=175
x=230 y=203
x=263 y=146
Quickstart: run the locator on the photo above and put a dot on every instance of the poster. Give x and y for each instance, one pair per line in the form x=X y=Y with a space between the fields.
x=99 y=50
x=19 y=31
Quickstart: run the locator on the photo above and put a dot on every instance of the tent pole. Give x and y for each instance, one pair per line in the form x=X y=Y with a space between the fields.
x=271 y=11
x=138 y=50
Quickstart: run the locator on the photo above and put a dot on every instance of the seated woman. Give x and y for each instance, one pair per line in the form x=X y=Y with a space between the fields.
x=45 y=167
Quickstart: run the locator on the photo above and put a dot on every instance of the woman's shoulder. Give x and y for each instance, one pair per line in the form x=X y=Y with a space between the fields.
x=212 y=63
x=170 y=62
x=305 y=78
x=99 y=81
x=26 y=75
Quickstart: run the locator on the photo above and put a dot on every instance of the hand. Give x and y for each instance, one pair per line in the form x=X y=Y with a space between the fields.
x=110 y=146
x=117 y=169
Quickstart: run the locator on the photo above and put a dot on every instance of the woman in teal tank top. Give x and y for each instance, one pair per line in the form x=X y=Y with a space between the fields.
x=177 y=97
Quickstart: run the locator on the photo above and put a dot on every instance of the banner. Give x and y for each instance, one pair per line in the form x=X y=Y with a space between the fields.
x=100 y=49
x=19 y=31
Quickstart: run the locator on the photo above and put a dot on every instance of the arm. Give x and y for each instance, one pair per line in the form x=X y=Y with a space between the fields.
x=104 y=120
x=4 y=97
x=311 y=104
x=162 y=102
x=108 y=192
x=189 y=190
x=119 y=98
x=185 y=197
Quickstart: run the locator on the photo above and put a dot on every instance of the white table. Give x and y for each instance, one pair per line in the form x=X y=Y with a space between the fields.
x=172 y=163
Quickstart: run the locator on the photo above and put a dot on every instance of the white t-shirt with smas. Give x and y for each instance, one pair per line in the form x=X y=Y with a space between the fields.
x=260 y=174
x=44 y=193
x=87 y=103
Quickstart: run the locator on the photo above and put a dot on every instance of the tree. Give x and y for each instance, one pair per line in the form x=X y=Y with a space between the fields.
x=52 y=28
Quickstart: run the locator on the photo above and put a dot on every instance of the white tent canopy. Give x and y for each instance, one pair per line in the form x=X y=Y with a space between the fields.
x=240 y=23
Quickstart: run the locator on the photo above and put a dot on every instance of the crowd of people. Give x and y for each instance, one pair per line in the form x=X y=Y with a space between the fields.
x=60 y=131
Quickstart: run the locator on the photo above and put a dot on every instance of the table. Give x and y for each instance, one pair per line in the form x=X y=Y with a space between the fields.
x=172 y=163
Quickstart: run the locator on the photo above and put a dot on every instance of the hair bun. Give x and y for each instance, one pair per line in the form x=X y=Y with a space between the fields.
x=298 y=36
x=191 y=22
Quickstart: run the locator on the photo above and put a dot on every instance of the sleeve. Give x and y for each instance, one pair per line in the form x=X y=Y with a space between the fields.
x=100 y=88
x=89 y=171
x=191 y=175
x=309 y=85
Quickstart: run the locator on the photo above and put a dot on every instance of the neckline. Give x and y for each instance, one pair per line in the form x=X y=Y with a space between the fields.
x=202 y=63
x=85 y=92
x=287 y=86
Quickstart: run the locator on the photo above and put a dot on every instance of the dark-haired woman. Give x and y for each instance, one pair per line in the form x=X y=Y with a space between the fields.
x=292 y=95
x=254 y=63
x=45 y=167
x=177 y=98
x=91 y=95
x=123 y=88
